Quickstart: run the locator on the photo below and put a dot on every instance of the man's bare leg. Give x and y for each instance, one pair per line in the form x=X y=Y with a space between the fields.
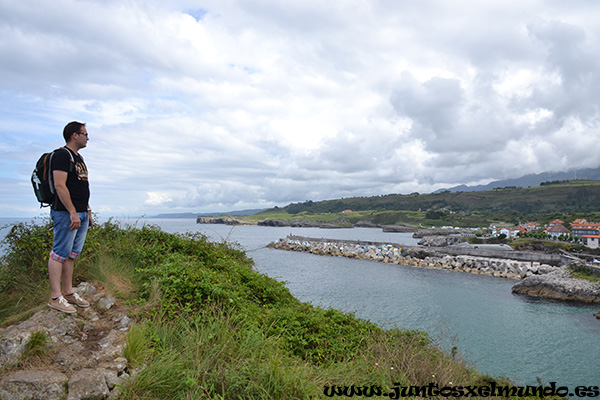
x=55 y=270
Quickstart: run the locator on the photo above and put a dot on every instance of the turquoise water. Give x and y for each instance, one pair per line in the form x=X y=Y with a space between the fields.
x=503 y=334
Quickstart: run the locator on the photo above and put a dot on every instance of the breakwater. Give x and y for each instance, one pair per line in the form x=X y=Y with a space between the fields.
x=504 y=267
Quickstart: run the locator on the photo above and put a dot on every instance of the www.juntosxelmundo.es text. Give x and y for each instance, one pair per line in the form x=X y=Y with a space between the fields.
x=434 y=390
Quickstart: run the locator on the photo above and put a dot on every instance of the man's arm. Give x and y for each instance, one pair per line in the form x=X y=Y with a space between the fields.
x=89 y=211
x=60 y=184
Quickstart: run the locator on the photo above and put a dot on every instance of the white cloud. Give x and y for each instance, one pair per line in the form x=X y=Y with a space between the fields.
x=215 y=105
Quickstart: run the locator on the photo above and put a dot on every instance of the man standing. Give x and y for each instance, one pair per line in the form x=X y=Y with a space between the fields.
x=71 y=217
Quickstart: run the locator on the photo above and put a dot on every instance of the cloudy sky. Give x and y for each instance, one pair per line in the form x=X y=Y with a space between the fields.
x=220 y=105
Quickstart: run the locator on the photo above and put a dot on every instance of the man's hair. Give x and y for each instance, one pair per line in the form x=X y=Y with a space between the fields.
x=71 y=128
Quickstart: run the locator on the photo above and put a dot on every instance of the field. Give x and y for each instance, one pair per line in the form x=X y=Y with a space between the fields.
x=565 y=200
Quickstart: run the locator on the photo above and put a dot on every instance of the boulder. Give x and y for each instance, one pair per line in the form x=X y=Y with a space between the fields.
x=440 y=241
x=105 y=302
x=559 y=285
x=89 y=384
x=33 y=385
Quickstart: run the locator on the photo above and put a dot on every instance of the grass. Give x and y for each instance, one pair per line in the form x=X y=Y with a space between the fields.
x=565 y=200
x=582 y=272
x=37 y=350
x=37 y=345
x=116 y=275
x=210 y=327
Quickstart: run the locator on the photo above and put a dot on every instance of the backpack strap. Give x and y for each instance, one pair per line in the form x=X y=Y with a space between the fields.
x=51 y=175
x=71 y=157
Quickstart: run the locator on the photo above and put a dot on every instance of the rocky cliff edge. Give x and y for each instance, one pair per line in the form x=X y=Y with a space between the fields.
x=85 y=352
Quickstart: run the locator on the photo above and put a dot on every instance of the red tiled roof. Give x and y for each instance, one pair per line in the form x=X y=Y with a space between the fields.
x=589 y=225
x=579 y=221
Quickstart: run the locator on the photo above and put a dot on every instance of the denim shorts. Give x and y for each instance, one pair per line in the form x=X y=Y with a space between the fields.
x=68 y=243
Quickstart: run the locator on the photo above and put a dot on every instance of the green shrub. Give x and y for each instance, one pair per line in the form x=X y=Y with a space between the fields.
x=211 y=327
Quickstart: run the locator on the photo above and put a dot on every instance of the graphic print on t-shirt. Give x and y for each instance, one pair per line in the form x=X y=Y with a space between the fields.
x=82 y=172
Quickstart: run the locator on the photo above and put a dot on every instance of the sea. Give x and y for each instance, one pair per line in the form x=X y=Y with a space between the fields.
x=524 y=338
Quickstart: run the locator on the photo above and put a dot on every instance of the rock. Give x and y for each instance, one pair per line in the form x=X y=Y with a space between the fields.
x=112 y=379
x=421 y=233
x=85 y=288
x=225 y=221
x=105 y=303
x=69 y=358
x=56 y=324
x=547 y=269
x=110 y=344
x=12 y=346
x=120 y=364
x=89 y=384
x=124 y=322
x=512 y=275
x=33 y=385
x=366 y=224
x=86 y=348
x=388 y=228
x=440 y=241
x=558 y=285
x=273 y=222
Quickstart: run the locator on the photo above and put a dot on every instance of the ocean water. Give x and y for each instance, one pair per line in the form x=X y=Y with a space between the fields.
x=501 y=333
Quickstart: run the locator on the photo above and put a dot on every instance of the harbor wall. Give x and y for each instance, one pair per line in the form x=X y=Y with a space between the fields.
x=502 y=264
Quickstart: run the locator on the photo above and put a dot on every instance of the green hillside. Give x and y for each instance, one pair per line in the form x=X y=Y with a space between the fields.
x=208 y=326
x=564 y=199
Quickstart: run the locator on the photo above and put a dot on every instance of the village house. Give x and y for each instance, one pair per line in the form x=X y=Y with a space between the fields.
x=531 y=226
x=509 y=232
x=496 y=226
x=579 y=221
x=557 y=230
x=581 y=227
x=591 y=241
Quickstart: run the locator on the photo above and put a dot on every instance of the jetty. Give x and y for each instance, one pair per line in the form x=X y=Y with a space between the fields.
x=497 y=262
x=538 y=274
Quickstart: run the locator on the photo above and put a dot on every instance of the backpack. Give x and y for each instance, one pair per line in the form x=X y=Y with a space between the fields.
x=42 y=179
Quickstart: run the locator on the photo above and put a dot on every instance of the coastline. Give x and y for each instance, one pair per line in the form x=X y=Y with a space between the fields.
x=534 y=278
x=538 y=273
x=426 y=257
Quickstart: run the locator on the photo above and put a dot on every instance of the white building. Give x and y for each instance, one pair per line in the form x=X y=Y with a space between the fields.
x=558 y=230
x=591 y=241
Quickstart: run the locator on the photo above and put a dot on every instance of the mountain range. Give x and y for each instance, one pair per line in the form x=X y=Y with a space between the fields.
x=530 y=180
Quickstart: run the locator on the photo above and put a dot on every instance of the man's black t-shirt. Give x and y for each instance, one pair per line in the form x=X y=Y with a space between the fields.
x=77 y=179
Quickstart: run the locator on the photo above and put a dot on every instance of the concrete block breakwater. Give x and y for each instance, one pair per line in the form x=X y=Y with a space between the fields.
x=415 y=256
